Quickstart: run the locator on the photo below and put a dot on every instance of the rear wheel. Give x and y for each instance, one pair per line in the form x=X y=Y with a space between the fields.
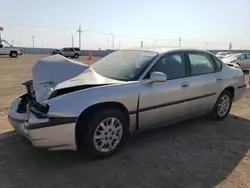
x=13 y=54
x=222 y=106
x=76 y=56
x=104 y=134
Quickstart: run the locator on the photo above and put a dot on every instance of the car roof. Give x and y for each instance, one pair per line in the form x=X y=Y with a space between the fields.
x=161 y=50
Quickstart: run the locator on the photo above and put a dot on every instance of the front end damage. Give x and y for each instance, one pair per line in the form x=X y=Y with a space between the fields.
x=52 y=77
x=29 y=119
x=29 y=112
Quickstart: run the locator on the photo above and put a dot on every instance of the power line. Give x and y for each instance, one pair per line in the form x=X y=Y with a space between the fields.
x=91 y=31
x=39 y=26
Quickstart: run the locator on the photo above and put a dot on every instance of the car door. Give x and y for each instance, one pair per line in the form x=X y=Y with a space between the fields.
x=245 y=61
x=205 y=81
x=160 y=102
x=71 y=52
x=65 y=52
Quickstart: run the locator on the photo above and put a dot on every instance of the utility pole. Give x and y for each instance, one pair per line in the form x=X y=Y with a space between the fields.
x=1 y=29
x=180 y=41
x=80 y=34
x=119 y=45
x=33 y=41
x=12 y=42
x=141 y=43
x=207 y=45
x=72 y=38
x=230 y=46
x=113 y=37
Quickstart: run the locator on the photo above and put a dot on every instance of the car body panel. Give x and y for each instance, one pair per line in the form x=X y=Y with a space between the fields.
x=221 y=55
x=147 y=103
x=52 y=70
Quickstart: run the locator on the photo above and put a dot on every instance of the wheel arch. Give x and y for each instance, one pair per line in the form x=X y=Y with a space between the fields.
x=85 y=114
x=231 y=89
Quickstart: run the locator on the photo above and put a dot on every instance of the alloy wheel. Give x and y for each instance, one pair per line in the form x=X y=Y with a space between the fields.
x=108 y=134
x=223 y=105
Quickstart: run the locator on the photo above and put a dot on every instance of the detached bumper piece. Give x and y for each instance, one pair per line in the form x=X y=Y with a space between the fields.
x=31 y=122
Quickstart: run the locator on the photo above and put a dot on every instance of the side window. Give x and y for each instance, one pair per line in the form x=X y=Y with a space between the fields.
x=201 y=63
x=65 y=49
x=248 y=56
x=218 y=64
x=173 y=65
x=1 y=46
x=242 y=57
x=71 y=50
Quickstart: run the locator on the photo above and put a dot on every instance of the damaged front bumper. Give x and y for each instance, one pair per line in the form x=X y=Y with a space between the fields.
x=51 y=133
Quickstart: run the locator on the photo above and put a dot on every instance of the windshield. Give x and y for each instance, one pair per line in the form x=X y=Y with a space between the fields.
x=124 y=65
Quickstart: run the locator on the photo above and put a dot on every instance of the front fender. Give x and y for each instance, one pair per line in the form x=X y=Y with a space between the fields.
x=73 y=104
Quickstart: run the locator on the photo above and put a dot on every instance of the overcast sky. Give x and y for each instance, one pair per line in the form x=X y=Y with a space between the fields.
x=200 y=23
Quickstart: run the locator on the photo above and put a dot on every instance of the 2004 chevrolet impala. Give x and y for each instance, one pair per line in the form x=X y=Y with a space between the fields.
x=72 y=106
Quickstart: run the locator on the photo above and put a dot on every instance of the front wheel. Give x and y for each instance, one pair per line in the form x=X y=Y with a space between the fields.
x=105 y=133
x=222 y=106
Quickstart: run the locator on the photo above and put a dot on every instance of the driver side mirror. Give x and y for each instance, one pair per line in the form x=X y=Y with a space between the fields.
x=157 y=77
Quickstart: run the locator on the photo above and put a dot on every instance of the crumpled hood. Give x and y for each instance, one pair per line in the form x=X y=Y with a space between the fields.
x=89 y=77
x=47 y=73
x=57 y=72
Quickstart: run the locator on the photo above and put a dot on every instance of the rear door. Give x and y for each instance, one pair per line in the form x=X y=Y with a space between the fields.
x=205 y=81
x=245 y=61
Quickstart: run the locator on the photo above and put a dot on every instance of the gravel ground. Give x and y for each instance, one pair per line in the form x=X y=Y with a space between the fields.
x=196 y=153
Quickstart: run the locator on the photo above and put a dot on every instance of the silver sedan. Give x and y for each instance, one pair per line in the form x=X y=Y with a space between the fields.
x=72 y=106
x=241 y=60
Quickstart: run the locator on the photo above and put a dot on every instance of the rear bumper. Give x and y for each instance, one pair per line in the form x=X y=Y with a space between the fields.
x=56 y=134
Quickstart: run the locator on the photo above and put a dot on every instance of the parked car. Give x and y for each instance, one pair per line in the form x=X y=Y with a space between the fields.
x=68 y=52
x=10 y=51
x=72 y=106
x=222 y=54
x=239 y=59
x=56 y=51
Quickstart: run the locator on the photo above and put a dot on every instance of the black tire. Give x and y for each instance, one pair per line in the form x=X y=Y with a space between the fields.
x=13 y=54
x=88 y=127
x=215 y=112
x=76 y=56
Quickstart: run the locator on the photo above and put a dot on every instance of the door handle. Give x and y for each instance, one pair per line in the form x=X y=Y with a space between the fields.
x=218 y=78
x=185 y=84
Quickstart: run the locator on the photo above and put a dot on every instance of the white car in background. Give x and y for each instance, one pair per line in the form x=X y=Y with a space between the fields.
x=222 y=54
x=239 y=59
x=10 y=51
